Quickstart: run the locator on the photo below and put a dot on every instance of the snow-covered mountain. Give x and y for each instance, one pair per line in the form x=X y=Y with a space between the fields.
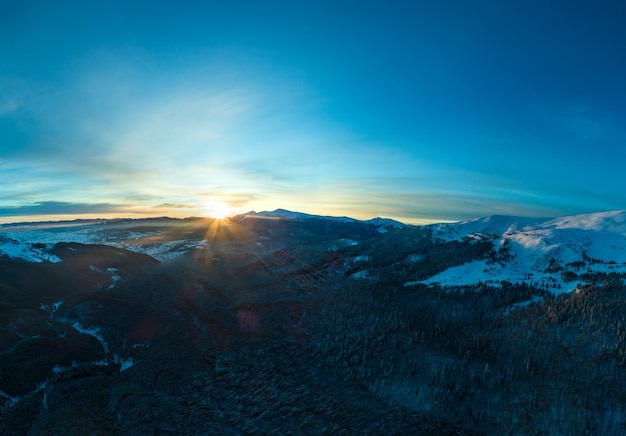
x=166 y=239
x=382 y=224
x=33 y=242
x=31 y=252
x=557 y=253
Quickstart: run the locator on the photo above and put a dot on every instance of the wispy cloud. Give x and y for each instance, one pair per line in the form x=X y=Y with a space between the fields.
x=172 y=206
x=61 y=208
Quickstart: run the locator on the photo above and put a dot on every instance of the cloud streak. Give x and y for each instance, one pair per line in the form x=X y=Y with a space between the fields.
x=61 y=208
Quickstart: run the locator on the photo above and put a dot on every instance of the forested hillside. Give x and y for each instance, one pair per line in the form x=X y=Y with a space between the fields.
x=306 y=325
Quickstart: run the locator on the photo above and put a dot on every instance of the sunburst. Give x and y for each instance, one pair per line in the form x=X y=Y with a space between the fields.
x=217 y=209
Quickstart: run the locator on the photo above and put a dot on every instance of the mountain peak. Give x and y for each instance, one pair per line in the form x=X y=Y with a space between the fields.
x=387 y=223
x=610 y=221
x=550 y=250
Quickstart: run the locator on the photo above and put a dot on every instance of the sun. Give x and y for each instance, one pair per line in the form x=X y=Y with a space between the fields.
x=217 y=209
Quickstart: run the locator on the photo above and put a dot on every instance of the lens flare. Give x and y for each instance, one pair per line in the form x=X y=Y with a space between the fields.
x=217 y=209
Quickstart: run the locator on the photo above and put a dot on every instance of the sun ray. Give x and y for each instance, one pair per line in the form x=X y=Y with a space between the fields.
x=217 y=209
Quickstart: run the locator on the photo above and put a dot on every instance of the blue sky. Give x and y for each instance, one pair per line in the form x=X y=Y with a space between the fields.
x=420 y=111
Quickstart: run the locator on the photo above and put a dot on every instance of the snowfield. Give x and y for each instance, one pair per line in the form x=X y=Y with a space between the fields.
x=30 y=252
x=548 y=252
x=32 y=243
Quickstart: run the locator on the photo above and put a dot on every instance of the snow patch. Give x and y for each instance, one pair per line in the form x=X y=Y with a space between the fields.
x=96 y=333
x=522 y=304
x=58 y=369
x=342 y=243
x=414 y=258
x=27 y=251
x=167 y=250
x=92 y=331
x=125 y=364
x=114 y=277
x=363 y=274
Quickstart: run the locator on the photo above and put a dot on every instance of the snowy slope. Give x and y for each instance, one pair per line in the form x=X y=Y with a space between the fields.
x=496 y=224
x=27 y=251
x=556 y=253
x=32 y=243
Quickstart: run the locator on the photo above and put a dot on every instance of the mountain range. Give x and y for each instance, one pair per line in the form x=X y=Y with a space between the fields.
x=289 y=322
x=558 y=254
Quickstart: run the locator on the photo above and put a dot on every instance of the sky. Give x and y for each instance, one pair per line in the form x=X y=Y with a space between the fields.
x=420 y=111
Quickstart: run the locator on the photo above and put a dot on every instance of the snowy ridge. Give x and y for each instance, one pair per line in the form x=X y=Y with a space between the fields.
x=382 y=224
x=496 y=224
x=278 y=213
x=287 y=214
x=385 y=222
x=25 y=243
x=613 y=221
x=556 y=253
x=30 y=252
x=32 y=243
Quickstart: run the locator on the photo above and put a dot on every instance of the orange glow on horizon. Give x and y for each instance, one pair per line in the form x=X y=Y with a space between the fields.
x=217 y=209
